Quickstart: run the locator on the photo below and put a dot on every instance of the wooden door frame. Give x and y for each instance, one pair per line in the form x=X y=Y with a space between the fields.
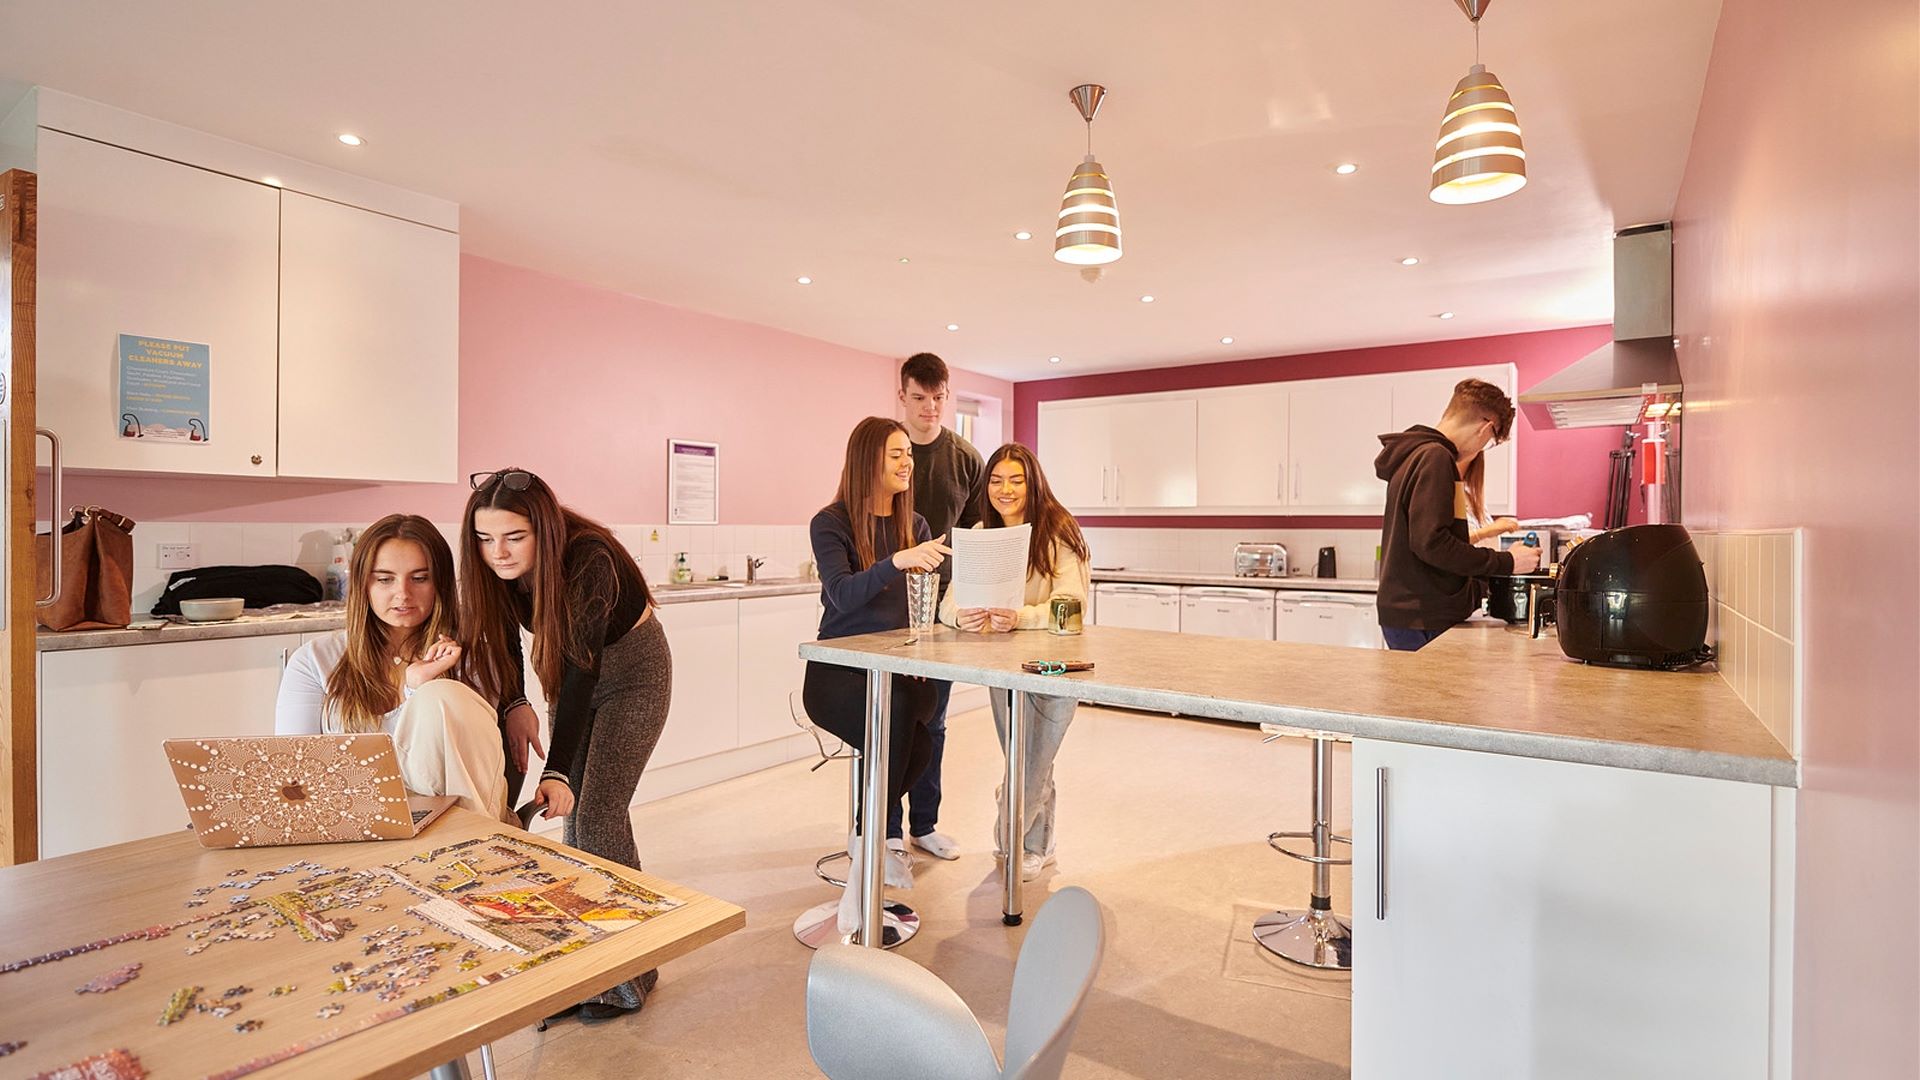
x=19 y=660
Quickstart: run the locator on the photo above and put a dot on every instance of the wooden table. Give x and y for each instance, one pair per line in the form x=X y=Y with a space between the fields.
x=69 y=901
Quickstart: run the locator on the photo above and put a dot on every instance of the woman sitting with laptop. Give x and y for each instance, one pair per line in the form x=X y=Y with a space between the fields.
x=388 y=670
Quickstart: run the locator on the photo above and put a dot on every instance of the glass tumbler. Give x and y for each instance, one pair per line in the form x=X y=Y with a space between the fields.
x=923 y=600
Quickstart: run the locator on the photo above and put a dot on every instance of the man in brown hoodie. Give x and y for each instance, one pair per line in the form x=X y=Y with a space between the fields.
x=1428 y=566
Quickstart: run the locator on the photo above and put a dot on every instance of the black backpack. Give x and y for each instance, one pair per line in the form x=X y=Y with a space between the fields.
x=258 y=586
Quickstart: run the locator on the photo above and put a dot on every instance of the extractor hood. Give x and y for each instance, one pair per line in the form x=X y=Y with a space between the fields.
x=1609 y=387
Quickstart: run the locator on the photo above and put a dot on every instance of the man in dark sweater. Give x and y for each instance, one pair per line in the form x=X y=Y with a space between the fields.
x=1428 y=566
x=947 y=476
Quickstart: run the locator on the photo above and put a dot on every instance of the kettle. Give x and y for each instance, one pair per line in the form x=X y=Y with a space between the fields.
x=1326 y=569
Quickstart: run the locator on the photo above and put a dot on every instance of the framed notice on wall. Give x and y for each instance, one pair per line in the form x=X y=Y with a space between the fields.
x=693 y=482
x=166 y=388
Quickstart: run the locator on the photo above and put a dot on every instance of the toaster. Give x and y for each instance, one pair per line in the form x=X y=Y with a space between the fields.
x=1259 y=560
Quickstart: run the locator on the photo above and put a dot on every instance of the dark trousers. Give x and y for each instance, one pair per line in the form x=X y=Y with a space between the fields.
x=1407 y=639
x=923 y=798
x=836 y=699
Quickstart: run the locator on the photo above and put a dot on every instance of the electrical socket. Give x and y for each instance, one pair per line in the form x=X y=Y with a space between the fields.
x=175 y=556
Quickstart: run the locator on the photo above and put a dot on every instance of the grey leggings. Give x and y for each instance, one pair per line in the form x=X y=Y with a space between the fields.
x=629 y=712
x=1047 y=720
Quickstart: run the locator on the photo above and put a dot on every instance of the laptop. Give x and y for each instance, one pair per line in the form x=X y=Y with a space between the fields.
x=272 y=790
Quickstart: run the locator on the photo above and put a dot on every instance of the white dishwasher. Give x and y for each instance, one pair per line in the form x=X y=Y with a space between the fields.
x=1327 y=618
x=1225 y=611
x=1137 y=607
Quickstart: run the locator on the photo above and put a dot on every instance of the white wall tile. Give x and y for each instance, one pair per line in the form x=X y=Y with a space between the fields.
x=265 y=542
x=217 y=543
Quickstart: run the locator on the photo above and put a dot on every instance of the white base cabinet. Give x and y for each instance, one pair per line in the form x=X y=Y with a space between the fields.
x=104 y=713
x=1516 y=918
x=705 y=715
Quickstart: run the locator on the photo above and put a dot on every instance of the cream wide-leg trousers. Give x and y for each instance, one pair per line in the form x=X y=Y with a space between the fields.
x=448 y=739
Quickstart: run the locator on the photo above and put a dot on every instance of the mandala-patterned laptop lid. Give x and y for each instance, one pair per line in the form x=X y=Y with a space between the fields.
x=271 y=790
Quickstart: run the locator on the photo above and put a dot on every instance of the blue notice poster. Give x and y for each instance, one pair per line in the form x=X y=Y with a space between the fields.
x=165 y=388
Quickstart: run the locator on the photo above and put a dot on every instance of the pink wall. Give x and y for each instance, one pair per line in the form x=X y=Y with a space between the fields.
x=584 y=386
x=1561 y=472
x=1796 y=281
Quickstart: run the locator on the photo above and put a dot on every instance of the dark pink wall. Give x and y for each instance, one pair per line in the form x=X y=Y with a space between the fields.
x=1797 y=280
x=1561 y=472
x=584 y=386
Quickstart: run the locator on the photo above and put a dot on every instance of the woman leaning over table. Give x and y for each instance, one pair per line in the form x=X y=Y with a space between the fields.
x=600 y=654
x=389 y=670
x=1017 y=493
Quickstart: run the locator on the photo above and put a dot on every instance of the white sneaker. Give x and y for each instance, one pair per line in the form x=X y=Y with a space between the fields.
x=899 y=864
x=938 y=844
x=1031 y=864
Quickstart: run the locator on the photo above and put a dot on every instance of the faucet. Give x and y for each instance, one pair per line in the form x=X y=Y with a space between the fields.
x=753 y=568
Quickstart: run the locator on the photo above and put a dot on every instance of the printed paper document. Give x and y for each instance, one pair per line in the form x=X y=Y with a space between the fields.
x=990 y=567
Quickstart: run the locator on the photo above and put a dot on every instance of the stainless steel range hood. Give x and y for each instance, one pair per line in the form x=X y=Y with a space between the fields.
x=1607 y=387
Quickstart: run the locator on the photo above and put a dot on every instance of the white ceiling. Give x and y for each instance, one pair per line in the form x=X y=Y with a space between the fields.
x=707 y=154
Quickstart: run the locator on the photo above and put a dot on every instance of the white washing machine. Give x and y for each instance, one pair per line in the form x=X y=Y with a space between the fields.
x=1139 y=607
x=1226 y=611
x=1327 y=618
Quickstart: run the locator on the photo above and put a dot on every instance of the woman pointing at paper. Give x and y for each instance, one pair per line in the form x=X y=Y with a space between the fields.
x=1017 y=494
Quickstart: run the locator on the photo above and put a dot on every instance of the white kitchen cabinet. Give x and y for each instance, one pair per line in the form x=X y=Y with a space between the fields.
x=1241 y=457
x=1518 y=918
x=704 y=718
x=135 y=244
x=770 y=669
x=369 y=345
x=1333 y=435
x=1420 y=397
x=103 y=714
x=1153 y=446
x=1076 y=449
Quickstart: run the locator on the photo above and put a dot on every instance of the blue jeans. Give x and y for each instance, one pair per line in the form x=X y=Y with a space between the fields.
x=1407 y=639
x=1047 y=720
x=924 y=795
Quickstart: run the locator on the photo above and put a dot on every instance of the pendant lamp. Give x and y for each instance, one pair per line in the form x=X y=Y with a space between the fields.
x=1088 y=233
x=1478 y=156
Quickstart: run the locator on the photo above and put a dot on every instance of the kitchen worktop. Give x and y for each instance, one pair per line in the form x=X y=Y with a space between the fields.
x=333 y=619
x=1481 y=686
x=1174 y=577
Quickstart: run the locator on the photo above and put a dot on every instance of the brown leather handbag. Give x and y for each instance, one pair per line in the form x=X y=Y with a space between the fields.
x=96 y=571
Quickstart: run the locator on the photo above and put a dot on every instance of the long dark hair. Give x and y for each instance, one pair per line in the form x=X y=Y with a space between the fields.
x=1052 y=524
x=365 y=685
x=566 y=546
x=860 y=481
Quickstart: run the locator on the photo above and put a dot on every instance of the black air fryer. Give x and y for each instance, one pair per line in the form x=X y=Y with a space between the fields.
x=1634 y=597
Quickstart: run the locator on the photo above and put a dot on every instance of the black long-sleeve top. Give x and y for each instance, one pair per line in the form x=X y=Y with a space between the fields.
x=606 y=595
x=859 y=601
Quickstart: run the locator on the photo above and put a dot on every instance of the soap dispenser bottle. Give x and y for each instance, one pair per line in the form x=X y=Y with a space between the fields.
x=682 y=573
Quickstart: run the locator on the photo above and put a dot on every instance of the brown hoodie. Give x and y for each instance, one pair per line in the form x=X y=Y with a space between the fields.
x=1427 y=565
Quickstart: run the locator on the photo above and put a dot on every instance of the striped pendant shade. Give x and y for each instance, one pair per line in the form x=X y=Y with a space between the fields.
x=1088 y=233
x=1478 y=156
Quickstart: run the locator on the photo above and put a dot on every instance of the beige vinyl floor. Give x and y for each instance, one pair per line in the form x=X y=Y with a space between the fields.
x=1163 y=819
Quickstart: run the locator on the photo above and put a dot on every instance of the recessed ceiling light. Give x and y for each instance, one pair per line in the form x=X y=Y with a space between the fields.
x=1146 y=299
x=1053 y=359
x=953 y=326
x=1444 y=315
x=804 y=280
x=903 y=258
x=1410 y=261
x=1023 y=235
x=351 y=139
x=1226 y=341
x=270 y=181
x=1346 y=168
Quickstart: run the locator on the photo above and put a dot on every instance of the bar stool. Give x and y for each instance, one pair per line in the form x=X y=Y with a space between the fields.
x=820 y=924
x=1315 y=937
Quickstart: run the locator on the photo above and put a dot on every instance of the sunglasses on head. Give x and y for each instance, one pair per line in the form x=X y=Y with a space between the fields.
x=511 y=479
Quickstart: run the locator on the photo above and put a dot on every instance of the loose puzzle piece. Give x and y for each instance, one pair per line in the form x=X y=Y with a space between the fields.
x=282 y=991
x=179 y=1004
x=9 y=1047
x=328 y=1012
x=112 y=980
x=245 y=1026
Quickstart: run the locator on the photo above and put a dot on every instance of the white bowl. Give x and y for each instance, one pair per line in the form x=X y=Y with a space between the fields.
x=217 y=609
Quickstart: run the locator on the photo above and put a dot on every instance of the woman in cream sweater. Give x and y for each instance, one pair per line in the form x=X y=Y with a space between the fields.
x=1016 y=493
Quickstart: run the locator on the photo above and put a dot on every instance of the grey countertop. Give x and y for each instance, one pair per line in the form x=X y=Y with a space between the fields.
x=1171 y=577
x=1480 y=686
x=329 y=620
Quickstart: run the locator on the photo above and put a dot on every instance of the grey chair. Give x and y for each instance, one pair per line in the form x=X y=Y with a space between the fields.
x=872 y=1015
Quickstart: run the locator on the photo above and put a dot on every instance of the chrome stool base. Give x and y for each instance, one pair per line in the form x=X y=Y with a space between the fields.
x=820 y=925
x=1315 y=939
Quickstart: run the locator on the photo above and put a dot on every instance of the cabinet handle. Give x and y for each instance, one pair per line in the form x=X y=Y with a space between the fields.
x=1280 y=480
x=1119 y=487
x=1380 y=843
x=53 y=542
x=1106 y=481
x=1296 y=480
x=255 y=459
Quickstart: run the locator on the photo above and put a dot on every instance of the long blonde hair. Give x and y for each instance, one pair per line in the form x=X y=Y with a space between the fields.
x=365 y=685
x=1474 y=479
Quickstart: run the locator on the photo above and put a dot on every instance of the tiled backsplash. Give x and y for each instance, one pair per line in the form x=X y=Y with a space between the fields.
x=309 y=545
x=1210 y=551
x=1754 y=577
